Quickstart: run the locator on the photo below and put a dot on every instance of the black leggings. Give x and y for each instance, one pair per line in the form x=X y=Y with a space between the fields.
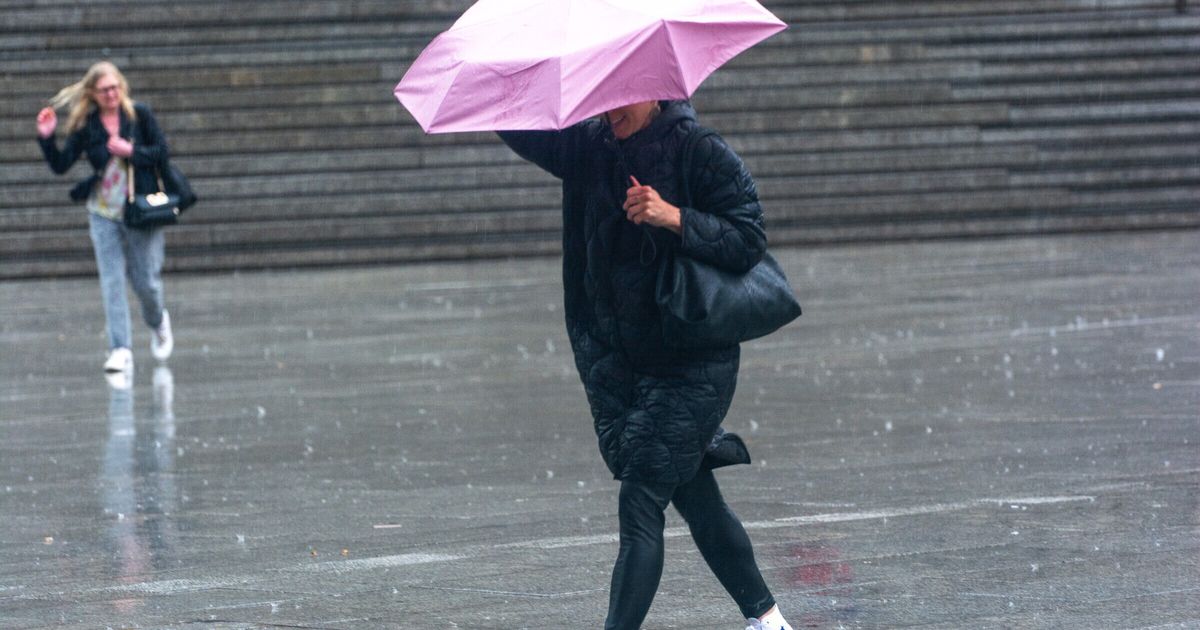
x=718 y=534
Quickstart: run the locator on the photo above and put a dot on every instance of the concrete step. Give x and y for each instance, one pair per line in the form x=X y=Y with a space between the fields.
x=998 y=28
x=1188 y=44
x=1073 y=133
x=169 y=15
x=387 y=161
x=200 y=107
x=781 y=212
x=1138 y=176
x=134 y=61
x=253 y=235
x=1157 y=109
x=370 y=253
x=525 y=244
x=265 y=141
x=496 y=165
x=378 y=126
x=899 y=73
x=231 y=77
x=308 y=162
x=1081 y=91
x=410 y=188
x=242 y=202
x=861 y=118
x=288 y=98
x=486 y=149
x=375 y=105
x=1179 y=150
x=801 y=13
x=730 y=108
x=986 y=227
x=198 y=36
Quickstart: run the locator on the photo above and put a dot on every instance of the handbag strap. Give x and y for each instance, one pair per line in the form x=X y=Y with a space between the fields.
x=686 y=155
x=129 y=171
x=129 y=167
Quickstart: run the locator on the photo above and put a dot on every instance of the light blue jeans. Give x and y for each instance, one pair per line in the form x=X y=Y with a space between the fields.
x=137 y=254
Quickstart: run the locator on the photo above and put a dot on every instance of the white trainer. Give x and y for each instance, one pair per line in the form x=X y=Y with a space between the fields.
x=162 y=342
x=119 y=360
x=773 y=620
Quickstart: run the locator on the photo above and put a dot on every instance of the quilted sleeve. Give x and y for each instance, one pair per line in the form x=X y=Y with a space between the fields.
x=556 y=152
x=725 y=225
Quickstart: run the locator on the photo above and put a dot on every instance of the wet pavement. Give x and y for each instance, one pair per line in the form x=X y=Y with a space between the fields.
x=975 y=434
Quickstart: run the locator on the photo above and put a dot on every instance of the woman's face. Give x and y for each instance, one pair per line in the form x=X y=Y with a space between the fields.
x=630 y=119
x=107 y=93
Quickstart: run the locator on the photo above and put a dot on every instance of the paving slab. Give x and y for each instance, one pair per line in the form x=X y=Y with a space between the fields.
x=957 y=434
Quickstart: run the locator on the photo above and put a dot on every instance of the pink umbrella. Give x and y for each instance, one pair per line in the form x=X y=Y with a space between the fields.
x=548 y=64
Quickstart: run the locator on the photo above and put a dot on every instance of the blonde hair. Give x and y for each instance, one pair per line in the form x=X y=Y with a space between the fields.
x=78 y=98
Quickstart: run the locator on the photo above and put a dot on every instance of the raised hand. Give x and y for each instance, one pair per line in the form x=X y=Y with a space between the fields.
x=47 y=122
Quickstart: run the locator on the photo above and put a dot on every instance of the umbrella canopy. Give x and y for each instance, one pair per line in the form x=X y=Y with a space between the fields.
x=548 y=64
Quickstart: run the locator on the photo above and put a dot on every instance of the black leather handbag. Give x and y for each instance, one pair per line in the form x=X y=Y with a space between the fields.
x=703 y=306
x=160 y=208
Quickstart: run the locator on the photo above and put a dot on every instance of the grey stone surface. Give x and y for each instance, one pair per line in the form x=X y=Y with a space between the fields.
x=957 y=434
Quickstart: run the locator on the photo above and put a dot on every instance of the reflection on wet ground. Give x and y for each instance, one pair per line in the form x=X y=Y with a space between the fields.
x=137 y=484
x=987 y=434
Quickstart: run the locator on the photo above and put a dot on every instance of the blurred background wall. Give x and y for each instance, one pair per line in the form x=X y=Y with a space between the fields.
x=863 y=121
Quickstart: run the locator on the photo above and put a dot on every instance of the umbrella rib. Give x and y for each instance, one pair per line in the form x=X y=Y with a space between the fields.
x=666 y=25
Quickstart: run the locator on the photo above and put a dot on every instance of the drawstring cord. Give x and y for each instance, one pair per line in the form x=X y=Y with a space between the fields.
x=647 y=238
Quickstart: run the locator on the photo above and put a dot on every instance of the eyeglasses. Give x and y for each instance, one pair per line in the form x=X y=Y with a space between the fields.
x=106 y=90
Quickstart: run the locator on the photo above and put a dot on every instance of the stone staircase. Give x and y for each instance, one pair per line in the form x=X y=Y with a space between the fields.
x=863 y=121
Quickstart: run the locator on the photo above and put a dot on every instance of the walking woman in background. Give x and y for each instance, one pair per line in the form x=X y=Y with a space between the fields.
x=104 y=124
x=656 y=409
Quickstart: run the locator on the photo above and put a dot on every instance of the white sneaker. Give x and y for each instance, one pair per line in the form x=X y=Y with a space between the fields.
x=119 y=360
x=162 y=342
x=773 y=620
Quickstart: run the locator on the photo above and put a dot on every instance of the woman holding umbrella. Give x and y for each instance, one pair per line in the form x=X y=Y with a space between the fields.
x=657 y=409
x=109 y=128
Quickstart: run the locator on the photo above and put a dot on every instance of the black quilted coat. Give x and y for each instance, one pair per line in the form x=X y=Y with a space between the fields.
x=656 y=410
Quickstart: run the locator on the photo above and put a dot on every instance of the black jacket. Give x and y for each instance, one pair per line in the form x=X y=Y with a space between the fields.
x=655 y=409
x=149 y=150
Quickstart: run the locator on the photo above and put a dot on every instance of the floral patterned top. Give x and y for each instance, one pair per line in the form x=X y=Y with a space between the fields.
x=109 y=196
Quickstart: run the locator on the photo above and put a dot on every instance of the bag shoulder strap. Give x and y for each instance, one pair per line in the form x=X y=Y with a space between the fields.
x=686 y=156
